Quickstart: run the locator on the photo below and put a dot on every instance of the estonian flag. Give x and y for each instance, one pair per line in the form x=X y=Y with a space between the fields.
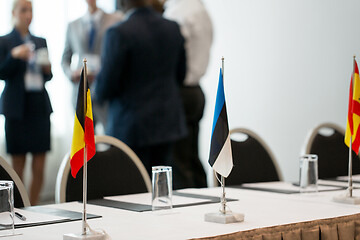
x=220 y=157
x=83 y=129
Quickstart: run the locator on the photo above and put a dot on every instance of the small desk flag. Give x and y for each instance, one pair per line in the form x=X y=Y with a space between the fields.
x=220 y=157
x=353 y=120
x=83 y=129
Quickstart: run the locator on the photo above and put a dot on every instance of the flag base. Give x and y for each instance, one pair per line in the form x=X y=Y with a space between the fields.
x=346 y=199
x=88 y=236
x=224 y=218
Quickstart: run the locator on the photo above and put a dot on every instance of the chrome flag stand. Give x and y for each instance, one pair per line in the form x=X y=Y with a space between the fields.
x=348 y=196
x=224 y=215
x=87 y=233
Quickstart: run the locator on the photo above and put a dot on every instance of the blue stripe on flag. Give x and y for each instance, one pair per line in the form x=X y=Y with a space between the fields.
x=220 y=101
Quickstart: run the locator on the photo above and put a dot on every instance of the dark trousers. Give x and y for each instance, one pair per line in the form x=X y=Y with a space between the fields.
x=187 y=168
x=155 y=155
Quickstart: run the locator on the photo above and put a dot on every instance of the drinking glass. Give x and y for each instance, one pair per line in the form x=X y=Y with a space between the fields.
x=309 y=173
x=6 y=208
x=161 y=188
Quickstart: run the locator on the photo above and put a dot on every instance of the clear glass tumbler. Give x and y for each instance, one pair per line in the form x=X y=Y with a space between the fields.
x=7 y=208
x=161 y=188
x=309 y=173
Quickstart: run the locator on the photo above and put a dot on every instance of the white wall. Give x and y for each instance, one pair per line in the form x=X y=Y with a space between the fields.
x=288 y=65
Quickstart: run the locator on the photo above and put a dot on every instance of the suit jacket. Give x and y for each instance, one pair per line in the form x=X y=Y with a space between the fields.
x=77 y=39
x=143 y=64
x=12 y=70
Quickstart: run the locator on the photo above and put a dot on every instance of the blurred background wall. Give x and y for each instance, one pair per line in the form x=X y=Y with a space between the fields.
x=288 y=65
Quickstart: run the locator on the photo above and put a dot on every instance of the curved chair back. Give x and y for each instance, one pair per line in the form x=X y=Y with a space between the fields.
x=21 y=198
x=327 y=141
x=253 y=159
x=114 y=170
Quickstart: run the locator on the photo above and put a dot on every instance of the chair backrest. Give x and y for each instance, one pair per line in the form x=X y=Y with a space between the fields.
x=21 y=198
x=327 y=141
x=114 y=170
x=253 y=159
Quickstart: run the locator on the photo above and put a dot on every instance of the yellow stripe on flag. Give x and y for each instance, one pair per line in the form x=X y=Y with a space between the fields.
x=78 y=138
x=89 y=113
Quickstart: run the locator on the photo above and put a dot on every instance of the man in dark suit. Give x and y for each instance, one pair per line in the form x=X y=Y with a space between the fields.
x=143 y=64
x=83 y=40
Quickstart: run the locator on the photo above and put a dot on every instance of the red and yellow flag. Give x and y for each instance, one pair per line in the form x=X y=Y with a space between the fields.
x=353 y=120
x=83 y=129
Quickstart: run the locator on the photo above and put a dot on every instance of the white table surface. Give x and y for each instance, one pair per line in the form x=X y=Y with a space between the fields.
x=261 y=209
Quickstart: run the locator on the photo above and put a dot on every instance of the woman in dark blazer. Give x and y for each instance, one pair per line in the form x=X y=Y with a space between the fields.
x=24 y=101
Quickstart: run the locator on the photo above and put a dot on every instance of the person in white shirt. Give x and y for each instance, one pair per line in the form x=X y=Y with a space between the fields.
x=196 y=28
x=84 y=40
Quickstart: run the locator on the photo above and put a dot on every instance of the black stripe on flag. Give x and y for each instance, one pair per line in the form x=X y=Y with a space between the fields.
x=219 y=136
x=80 y=111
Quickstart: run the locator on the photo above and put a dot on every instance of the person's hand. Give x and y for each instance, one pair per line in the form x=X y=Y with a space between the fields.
x=22 y=52
x=75 y=76
x=46 y=69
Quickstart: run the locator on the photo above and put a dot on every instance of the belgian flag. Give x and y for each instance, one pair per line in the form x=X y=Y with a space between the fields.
x=83 y=128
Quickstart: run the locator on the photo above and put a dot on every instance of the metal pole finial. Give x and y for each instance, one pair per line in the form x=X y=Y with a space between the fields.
x=222 y=66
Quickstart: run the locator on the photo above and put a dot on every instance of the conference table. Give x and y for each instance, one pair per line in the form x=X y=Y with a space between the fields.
x=273 y=210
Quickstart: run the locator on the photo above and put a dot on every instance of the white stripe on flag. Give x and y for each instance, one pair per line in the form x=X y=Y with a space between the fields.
x=224 y=162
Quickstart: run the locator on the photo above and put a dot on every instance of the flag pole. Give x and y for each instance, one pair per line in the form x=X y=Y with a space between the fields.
x=349 y=198
x=350 y=188
x=84 y=224
x=221 y=216
x=86 y=232
x=223 y=197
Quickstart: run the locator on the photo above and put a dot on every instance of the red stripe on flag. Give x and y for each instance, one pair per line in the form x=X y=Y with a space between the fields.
x=350 y=110
x=356 y=107
x=356 y=69
x=356 y=142
x=89 y=138
x=76 y=162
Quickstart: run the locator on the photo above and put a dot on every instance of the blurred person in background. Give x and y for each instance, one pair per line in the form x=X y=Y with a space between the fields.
x=196 y=27
x=142 y=65
x=157 y=5
x=25 y=67
x=83 y=40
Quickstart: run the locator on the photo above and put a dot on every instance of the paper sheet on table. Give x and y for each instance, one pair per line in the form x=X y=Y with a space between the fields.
x=145 y=198
x=356 y=178
x=283 y=187
x=34 y=217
